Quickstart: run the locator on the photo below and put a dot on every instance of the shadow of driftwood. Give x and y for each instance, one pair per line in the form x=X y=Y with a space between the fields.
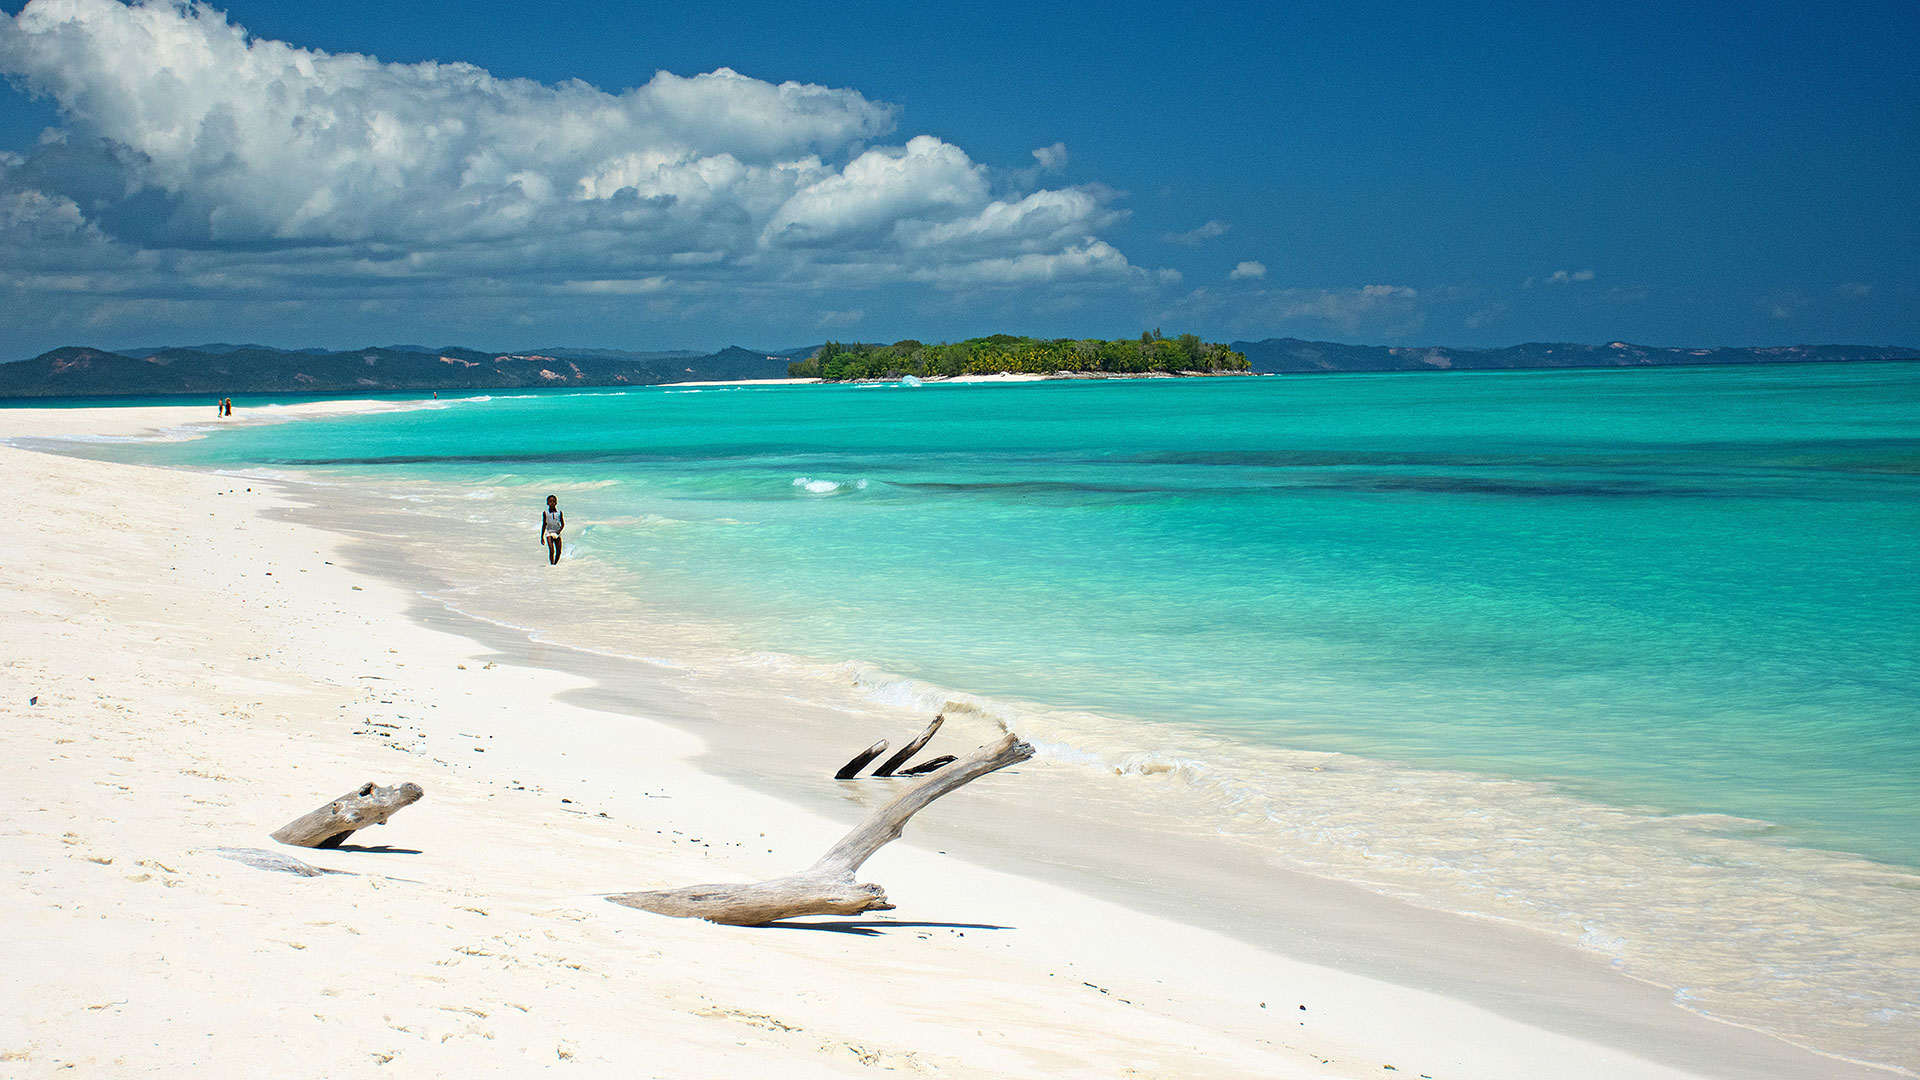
x=873 y=927
x=376 y=849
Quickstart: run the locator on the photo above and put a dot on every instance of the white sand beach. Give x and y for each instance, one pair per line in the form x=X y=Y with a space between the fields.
x=187 y=671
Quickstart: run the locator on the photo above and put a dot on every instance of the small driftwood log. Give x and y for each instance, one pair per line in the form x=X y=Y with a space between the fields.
x=886 y=768
x=339 y=819
x=852 y=768
x=828 y=887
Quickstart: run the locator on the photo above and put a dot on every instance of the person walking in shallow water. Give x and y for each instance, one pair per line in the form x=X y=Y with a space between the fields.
x=551 y=522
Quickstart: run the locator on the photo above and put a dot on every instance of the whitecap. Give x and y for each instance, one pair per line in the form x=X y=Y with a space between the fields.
x=827 y=487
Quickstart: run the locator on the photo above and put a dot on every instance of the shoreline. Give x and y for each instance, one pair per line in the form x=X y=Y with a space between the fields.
x=1378 y=1012
x=996 y=377
x=1511 y=970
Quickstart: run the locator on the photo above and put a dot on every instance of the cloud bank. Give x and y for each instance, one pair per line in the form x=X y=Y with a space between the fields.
x=196 y=162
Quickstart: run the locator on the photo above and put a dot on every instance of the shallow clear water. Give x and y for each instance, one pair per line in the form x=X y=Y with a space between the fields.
x=1685 y=590
x=1628 y=657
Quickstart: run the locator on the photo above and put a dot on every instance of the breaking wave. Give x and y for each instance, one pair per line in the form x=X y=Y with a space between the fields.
x=828 y=487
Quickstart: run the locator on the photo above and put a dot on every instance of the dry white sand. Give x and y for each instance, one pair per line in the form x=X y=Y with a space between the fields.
x=204 y=674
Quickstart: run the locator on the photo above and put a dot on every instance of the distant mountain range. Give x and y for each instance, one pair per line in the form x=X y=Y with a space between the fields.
x=220 y=368
x=1293 y=356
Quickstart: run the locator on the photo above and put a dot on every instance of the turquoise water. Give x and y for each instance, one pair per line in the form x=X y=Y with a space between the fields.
x=1624 y=657
x=1681 y=591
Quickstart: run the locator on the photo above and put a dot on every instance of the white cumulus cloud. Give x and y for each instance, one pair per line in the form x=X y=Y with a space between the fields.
x=1042 y=220
x=926 y=180
x=1051 y=158
x=1094 y=259
x=1249 y=269
x=193 y=151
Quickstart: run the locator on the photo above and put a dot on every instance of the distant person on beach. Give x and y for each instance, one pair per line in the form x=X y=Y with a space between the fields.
x=551 y=522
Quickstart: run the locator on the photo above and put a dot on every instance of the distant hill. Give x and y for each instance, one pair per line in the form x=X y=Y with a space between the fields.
x=222 y=348
x=620 y=354
x=217 y=369
x=1294 y=356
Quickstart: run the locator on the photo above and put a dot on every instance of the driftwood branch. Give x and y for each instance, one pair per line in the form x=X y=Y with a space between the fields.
x=339 y=819
x=892 y=766
x=852 y=768
x=828 y=886
x=886 y=768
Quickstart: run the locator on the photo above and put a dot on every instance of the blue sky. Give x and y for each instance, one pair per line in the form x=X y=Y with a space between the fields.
x=349 y=173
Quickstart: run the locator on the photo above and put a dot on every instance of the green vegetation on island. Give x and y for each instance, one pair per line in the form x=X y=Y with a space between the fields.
x=999 y=353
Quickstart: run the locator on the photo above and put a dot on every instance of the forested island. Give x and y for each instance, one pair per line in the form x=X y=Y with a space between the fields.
x=1004 y=353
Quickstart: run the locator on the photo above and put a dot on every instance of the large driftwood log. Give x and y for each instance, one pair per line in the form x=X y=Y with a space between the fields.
x=886 y=768
x=828 y=887
x=339 y=819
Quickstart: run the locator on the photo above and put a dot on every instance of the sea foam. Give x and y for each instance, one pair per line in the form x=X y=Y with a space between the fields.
x=827 y=487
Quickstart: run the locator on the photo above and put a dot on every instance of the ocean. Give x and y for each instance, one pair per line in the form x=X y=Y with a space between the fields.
x=1631 y=657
